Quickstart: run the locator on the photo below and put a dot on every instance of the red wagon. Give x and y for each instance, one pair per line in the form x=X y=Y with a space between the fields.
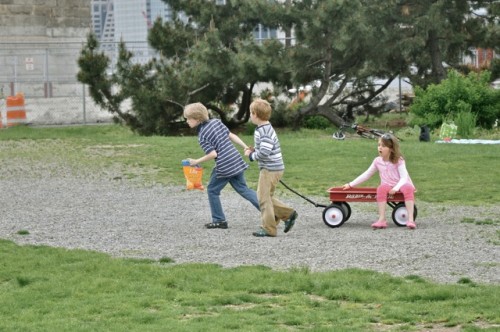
x=339 y=211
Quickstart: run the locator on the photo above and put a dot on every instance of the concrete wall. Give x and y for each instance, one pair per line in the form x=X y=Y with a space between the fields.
x=44 y=20
x=59 y=111
x=40 y=41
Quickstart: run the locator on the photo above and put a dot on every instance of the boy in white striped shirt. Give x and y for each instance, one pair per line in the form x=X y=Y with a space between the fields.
x=267 y=152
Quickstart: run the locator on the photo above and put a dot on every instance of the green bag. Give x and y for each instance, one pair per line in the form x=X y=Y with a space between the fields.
x=448 y=130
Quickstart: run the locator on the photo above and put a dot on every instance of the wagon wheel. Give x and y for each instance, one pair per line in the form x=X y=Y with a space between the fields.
x=334 y=215
x=347 y=210
x=400 y=214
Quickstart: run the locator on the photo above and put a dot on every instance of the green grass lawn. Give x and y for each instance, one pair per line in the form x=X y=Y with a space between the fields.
x=54 y=289
x=48 y=289
x=450 y=173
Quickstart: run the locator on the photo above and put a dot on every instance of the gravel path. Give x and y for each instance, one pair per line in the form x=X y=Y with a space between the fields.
x=128 y=220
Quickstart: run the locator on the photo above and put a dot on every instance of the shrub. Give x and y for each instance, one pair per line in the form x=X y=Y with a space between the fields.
x=466 y=123
x=316 y=122
x=281 y=115
x=456 y=94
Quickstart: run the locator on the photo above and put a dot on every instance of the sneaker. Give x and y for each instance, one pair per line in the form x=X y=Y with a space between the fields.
x=291 y=221
x=261 y=233
x=379 y=224
x=218 y=224
x=411 y=225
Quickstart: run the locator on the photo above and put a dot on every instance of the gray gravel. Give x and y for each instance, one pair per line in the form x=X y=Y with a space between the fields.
x=125 y=219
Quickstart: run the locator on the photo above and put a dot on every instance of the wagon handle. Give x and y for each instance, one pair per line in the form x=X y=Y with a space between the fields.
x=296 y=193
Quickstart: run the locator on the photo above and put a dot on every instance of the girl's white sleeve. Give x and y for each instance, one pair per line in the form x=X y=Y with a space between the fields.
x=365 y=176
x=403 y=176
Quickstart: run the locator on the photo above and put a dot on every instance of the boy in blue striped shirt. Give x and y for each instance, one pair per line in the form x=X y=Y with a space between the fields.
x=216 y=141
x=267 y=152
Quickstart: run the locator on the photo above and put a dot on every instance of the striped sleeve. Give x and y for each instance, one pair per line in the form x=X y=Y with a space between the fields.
x=268 y=149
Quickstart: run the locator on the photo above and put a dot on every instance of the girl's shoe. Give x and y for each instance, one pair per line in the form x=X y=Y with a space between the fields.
x=379 y=224
x=411 y=225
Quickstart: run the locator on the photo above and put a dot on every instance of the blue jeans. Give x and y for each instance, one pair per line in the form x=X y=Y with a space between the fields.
x=216 y=185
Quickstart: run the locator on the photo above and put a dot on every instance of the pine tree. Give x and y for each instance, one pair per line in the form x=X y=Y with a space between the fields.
x=339 y=47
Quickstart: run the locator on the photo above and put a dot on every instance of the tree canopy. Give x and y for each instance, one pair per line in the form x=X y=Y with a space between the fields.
x=339 y=45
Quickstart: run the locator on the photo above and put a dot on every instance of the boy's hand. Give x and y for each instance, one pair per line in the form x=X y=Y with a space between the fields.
x=249 y=150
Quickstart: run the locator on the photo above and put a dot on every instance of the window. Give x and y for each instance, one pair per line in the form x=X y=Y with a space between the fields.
x=261 y=32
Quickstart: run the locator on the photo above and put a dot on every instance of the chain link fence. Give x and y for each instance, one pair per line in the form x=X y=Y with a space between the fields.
x=45 y=73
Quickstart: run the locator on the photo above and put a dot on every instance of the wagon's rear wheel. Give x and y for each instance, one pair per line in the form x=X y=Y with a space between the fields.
x=334 y=215
x=400 y=214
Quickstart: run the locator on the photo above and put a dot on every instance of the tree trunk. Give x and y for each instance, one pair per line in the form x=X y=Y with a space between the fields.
x=438 y=72
x=333 y=117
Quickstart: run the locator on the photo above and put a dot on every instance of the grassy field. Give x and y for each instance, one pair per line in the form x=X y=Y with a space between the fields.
x=450 y=173
x=49 y=289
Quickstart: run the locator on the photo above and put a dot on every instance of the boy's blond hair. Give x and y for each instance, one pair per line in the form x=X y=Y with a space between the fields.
x=261 y=108
x=196 y=111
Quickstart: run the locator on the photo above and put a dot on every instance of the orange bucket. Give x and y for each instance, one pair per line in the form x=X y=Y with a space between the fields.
x=16 y=111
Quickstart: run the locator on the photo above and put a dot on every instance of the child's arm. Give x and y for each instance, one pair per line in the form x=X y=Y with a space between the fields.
x=362 y=178
x=266 y=146
x=207 y=157
x=235 y=139
x=249 y=152
x=403 y=176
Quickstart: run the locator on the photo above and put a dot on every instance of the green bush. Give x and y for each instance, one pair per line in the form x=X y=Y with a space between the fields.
x=316 y=122
x=249 y=128
x=466 y=123
x=281 y=116
x=454 y=95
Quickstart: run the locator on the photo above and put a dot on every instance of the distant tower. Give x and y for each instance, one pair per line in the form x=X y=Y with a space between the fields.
x=128 y=21
x=103 y=23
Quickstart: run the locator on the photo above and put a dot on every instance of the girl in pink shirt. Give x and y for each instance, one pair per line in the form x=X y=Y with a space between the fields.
x=393 y=177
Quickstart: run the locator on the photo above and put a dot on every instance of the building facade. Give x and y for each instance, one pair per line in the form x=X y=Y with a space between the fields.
x=39 y=42
x=127 y=21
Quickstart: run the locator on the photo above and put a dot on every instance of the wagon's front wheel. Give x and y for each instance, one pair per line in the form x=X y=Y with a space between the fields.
x=334 y=215
x=400 y=214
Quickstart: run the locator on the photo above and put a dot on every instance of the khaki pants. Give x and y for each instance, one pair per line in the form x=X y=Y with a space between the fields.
x=272 y=210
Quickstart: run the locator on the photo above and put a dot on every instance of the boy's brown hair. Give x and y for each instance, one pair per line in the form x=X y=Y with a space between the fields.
x=261 y=108
x=196 y=111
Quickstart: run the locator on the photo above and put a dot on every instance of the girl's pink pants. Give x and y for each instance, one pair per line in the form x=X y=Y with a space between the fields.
x=407 y=189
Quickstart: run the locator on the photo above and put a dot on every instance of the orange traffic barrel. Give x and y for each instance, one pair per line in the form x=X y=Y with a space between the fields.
x=16 y=112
